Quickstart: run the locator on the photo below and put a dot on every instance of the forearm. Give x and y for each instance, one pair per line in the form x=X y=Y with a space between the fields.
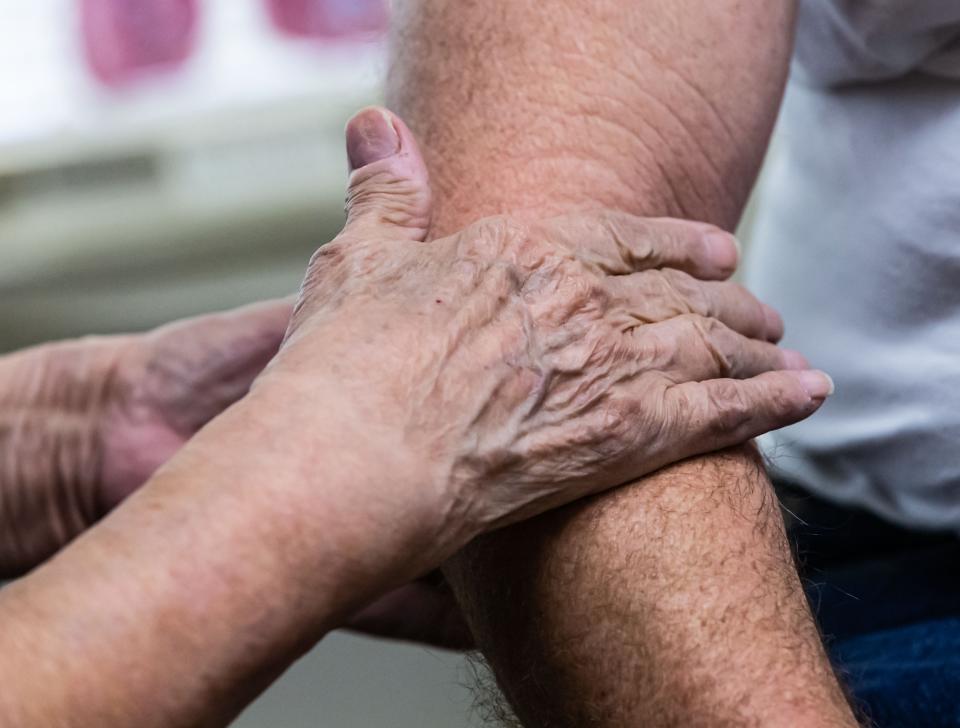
x=668 y=602
x=51 y=399
x=656 y=109
x=181 y=605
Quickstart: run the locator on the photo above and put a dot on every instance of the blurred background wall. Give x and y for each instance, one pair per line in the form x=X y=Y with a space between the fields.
x=179 y=190
x=135 y=190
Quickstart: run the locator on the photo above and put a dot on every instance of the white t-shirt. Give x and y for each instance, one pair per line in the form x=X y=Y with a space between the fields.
x=858 y=245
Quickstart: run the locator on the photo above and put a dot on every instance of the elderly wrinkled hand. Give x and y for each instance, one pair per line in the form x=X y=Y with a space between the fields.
x=89 y=421
x=521 y=364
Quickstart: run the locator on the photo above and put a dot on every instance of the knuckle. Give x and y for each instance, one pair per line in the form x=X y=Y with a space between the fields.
x=591 y=292
x=358 y=257
x=713 y=338
x=326 y=272
x=514 y=231
x=682 y=414
x=484 y=239
x=385 y=197
x=610 y=217
x=326 y=260
x=332 y=253
x=687 y=290
x=611 y=431
x=369 y=257
x=622 y=223
x=635 y=242
x=508 y=250
x=643 y=288
x=531 y=247
x=611 y=220
x=567 y=299
x=659 y=352
x=502 y=280
x=706 y=329
x=729 y=406
x=620 y=419
x=504 y=238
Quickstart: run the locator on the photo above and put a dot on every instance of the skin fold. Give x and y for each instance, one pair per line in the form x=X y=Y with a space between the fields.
x=86 y=422
x=673 y=601
x=425 y=393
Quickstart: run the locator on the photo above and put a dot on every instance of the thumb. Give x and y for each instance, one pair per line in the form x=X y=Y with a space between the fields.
x=389 y=190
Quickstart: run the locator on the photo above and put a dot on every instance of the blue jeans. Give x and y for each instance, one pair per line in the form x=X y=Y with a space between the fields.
x=907 y=677
x=888 y=603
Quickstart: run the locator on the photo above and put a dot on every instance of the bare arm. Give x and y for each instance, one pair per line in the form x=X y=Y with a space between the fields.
x=654 y=106
x=674 y=601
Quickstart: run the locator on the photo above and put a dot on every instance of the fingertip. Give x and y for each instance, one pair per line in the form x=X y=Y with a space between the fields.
x=723 y=251
x=774 y=323
x=371 y=135
x=389 y=186
x=817 y=384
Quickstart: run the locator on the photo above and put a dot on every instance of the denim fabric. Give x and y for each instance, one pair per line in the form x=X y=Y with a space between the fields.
x=888 y=603
x=907 y=677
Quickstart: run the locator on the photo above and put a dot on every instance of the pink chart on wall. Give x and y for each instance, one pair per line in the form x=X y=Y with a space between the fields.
x=329 y=19
x=126 y=39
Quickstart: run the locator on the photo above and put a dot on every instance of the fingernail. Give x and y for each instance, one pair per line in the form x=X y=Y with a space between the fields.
x=723 y=249
x=817 y=384
x=795 y=360
x=371 y=137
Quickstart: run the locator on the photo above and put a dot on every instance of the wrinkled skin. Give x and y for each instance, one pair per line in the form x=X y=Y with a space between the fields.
x=524 y=364
x=88 y=422
x=143 y=396
x=508 y=358
x=170 y=382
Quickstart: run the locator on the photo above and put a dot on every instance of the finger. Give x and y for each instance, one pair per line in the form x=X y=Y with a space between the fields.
x=695 y=348
x=660 y=295
x=389 y=190
x=388 y=199
x=726 y=412
x=216 y=357
x=620 y=243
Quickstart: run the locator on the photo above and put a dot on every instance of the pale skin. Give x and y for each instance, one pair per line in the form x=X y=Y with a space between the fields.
x=673 y=601
x=389 y=431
